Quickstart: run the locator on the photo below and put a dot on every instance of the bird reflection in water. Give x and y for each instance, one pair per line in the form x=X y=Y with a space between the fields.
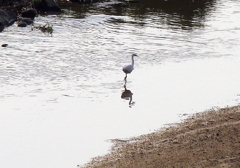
x=127 y=94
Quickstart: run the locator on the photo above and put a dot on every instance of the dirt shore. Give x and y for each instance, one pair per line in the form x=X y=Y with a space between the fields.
x=209 y=139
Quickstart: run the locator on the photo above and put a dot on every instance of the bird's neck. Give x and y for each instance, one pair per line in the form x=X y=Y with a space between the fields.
x=132 y=61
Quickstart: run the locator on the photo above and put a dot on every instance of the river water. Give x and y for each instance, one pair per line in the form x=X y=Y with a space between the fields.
x=62 y=97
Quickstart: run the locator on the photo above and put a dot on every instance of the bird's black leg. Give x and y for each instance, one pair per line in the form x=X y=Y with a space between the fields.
x=125 y=80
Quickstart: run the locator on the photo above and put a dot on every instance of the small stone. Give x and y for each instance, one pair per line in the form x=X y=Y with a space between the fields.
x=28 y=21
x=21 y=24
x=4 y=45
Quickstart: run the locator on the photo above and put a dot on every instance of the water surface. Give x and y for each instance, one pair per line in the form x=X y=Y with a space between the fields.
x=60 y=96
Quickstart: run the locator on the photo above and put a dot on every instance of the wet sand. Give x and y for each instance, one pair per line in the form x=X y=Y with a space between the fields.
x=208 y=139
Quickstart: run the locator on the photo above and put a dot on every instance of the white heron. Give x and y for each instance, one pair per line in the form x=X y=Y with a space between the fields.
x=129 y=68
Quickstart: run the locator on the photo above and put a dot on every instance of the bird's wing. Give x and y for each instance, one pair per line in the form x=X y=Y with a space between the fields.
x=128 y=67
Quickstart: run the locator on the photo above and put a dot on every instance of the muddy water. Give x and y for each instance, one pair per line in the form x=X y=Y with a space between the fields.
x=63 y=97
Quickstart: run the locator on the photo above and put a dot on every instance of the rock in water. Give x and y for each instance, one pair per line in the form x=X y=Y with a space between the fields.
x=28 y=21
x=47 y=5
x=53 y=6
x=29 y=13
x=1 y=27
x=4 y=45
x=21 y=24
x=6 y=19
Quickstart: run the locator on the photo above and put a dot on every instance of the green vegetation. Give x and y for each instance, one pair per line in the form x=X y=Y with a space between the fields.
x=47 y=28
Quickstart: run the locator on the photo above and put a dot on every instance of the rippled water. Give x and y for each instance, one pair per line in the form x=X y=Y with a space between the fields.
x=60 y=96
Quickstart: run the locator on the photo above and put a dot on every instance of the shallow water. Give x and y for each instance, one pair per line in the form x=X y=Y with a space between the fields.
x=60 y=96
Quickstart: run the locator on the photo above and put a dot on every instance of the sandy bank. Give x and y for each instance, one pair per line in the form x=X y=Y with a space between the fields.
x=209 y=139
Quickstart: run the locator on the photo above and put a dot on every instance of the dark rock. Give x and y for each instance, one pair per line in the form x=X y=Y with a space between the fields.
x=1 y=27
x=47 y=5
x=7 y=18
x=53 y=6
x=4 y=45
x=28 y=21
x=30 y=13
x=21 y=24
